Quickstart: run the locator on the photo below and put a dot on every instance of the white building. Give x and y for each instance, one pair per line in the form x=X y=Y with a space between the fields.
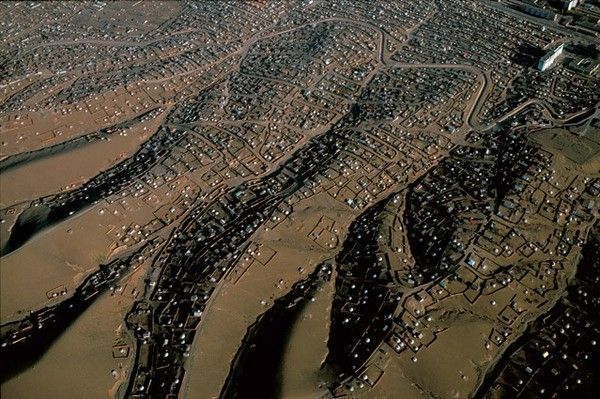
x=548 y=60
x=570 y=4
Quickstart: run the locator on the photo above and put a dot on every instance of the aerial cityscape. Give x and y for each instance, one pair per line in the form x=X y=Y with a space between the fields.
x=303 y=199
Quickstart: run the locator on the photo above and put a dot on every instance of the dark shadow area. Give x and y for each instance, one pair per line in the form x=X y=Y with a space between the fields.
x=527 y=55
x=257 y=367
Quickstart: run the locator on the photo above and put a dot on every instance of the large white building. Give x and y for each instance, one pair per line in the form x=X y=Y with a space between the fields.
x=550 y=57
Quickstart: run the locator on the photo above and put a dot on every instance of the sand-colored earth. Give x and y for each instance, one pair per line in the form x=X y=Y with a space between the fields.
x=83 y=354
x=59 y=256
x=67 y=170
x=237 y=303
x=579 y=149
x=301 y=367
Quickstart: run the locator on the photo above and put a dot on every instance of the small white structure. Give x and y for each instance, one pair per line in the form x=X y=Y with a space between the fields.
x=570 y=4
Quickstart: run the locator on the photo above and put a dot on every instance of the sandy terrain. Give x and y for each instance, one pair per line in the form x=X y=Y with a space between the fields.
x=60 y=256
x=85 y=353
x=301 y=368
x=448 y=183
x=237 y=304
x=67 y=170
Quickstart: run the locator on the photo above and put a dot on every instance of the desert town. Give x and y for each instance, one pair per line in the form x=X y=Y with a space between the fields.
x=194 y=194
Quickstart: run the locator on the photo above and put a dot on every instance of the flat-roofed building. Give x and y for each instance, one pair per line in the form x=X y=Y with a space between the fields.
x=550 y=57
